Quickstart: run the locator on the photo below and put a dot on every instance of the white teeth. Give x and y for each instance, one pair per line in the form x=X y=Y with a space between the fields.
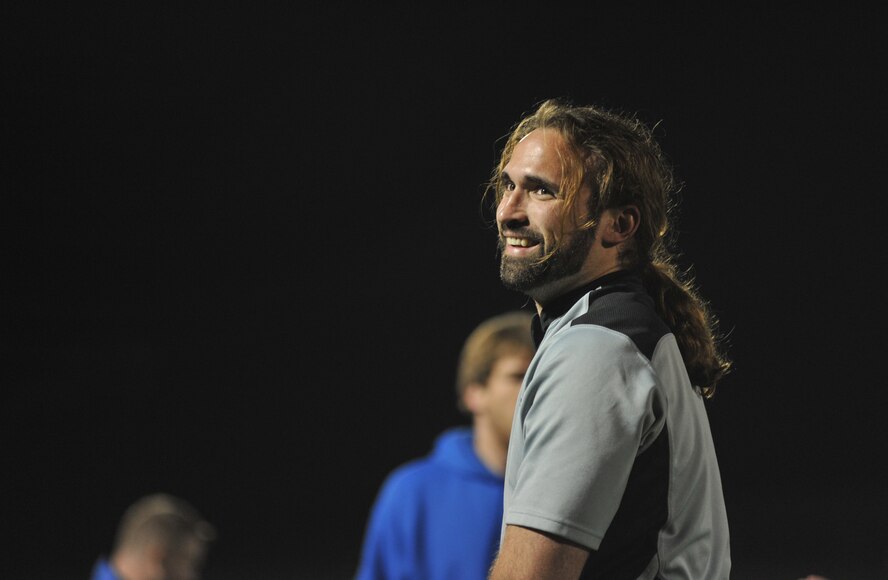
x=517 y=242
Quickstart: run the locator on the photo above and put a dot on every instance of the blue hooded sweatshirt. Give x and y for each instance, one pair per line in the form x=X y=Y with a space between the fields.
x=103 y=571
x=438 y=517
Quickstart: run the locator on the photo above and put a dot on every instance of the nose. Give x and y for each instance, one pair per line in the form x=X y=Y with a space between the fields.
x=511 y=208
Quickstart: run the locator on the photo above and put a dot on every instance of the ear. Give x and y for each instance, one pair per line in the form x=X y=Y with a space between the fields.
x=474 y=397
x=620 y=224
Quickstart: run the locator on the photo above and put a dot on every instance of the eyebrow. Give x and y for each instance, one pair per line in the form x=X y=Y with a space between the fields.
x=535 y=181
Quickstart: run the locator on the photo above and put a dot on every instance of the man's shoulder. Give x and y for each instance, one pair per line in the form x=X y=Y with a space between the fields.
x=410 y=473
x=413 y=475
x=626 y=312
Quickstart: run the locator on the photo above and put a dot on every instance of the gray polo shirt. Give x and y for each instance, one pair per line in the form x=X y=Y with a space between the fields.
x=611 y=446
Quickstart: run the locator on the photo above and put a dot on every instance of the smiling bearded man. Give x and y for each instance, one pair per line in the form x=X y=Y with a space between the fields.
x=611 y=469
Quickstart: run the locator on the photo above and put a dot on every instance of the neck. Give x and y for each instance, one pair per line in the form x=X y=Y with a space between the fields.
x=490 y=448
x=545 y=295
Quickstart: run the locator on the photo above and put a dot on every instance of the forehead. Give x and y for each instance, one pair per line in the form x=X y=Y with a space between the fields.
x=540 y=151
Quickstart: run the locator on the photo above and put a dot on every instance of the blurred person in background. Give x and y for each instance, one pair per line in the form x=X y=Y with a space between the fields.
x=160 y=537
x=440 y=516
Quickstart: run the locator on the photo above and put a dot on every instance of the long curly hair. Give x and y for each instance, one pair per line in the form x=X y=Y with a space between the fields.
x=617 y=156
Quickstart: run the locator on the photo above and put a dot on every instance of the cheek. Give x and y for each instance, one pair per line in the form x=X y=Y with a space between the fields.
x=546 y=224
x=509 y=398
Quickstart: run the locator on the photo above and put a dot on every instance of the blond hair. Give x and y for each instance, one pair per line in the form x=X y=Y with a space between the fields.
x=498 y=336
x=161 y=518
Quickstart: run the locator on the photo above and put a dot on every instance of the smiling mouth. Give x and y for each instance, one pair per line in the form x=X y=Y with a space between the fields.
x=520 y=242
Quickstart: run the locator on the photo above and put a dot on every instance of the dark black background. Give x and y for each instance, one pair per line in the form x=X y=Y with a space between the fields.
x=241 y=247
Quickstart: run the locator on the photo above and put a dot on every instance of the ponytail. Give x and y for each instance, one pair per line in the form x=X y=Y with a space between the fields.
x=688 y=316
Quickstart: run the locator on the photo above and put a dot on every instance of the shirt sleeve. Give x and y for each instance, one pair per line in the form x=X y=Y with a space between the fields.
x=589 y=409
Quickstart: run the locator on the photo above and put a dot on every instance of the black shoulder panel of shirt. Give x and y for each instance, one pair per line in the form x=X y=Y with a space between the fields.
x=617 y=301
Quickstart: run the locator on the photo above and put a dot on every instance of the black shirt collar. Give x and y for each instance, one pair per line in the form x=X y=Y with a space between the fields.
x=563 y=303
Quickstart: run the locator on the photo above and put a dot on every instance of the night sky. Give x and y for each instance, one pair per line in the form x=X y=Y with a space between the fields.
x=241 y=248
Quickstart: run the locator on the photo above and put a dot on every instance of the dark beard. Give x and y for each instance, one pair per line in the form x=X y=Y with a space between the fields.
x=525 y=274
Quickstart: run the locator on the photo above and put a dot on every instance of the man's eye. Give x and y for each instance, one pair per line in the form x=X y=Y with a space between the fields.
x=508 y=186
